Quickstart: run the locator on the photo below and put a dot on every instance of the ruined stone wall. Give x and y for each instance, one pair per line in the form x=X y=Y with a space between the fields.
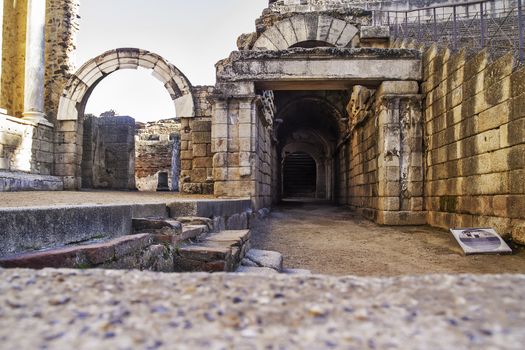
x=358 y=178
x=108 y=160
x=264 y=154
x=62 y=19
x=475 y=138
x=25 y=147
x=196 y=154
x=155 y=144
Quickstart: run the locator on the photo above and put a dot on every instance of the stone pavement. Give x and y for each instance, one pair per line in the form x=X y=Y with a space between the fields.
x=96 y=309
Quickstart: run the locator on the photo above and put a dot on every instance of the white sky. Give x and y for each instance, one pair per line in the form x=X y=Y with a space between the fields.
x=191 y=34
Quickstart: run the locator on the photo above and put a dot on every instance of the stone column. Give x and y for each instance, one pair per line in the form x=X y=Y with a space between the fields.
x=35 y=62
x=2 y=111
x=400 y=159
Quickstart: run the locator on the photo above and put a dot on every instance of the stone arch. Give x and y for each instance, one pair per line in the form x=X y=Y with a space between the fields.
x=82 y=83
x=69 y=131
x=307 y=28
x=338 y=116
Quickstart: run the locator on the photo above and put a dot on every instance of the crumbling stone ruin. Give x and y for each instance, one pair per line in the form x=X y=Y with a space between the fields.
x=157 y=156
x=433 y=139
x=338 y=101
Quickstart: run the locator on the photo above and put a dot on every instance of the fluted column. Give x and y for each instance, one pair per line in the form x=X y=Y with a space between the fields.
x=1 y=47
x=35 y=62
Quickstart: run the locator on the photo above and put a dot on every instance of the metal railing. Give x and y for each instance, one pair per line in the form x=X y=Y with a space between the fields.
x=494 y=25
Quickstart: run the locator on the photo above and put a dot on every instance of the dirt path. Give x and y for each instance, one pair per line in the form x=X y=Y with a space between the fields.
x=332 y=240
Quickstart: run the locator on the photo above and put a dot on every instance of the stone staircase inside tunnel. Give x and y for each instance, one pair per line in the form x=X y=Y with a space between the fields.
x=184 y=244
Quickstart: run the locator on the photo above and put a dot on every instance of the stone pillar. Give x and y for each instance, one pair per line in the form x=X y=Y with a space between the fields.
x=35 y=62
x=233 y=137
x=2 y=111
x=400 y=159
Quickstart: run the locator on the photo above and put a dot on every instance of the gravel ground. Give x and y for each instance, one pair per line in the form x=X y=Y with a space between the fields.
x=332 y=240
x=96 y=309
x=39 y=199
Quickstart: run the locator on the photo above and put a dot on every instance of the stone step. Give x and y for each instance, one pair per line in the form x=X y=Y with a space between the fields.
x=256 y=270
x=301 y=272
x=157 y=226
x=83 y=256
x=196 y=220
x=263 y=258
x=222 y=251
x=198 y=232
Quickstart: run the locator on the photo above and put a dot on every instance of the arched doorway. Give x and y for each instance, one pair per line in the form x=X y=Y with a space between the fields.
x=69 y=146
x=299 y=176
x=307 y=133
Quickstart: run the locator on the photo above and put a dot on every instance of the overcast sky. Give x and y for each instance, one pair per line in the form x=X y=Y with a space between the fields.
x=191 y=34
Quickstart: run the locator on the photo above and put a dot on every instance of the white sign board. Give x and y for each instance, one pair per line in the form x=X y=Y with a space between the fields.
x=480 y=241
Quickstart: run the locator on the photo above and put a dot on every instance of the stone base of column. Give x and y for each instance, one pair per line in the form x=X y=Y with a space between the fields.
x=37 y=118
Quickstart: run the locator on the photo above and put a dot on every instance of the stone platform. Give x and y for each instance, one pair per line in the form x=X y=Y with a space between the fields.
x=44 y=220
x=64 y=309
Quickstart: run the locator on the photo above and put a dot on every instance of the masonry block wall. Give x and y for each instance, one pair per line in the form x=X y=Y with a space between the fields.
x=475 y=138
x=196 y=150
x=108 y=160
x=157 y=148
x=25 y=147
x=359 y=155
x=264 y=154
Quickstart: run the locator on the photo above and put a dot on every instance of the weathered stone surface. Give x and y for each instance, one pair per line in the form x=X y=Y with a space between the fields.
x=297 y=272
x=157 y=150
x=82 y=256
x=195 y=220
x=157 y=225
x=321 y=63
x=23 y=229
x=266 y=258
x=255 y=270
x=12 y=181
x=236 y=237
x=194 y=231
x=50 y=308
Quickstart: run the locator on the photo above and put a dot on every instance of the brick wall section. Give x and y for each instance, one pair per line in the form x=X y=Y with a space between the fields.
x=154 y=147
x=475 y=137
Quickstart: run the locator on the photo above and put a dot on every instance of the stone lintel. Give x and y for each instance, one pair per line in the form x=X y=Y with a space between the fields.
x=329 y=68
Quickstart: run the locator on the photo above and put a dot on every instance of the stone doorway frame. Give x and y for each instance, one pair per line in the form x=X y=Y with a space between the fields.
x=69 y=128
